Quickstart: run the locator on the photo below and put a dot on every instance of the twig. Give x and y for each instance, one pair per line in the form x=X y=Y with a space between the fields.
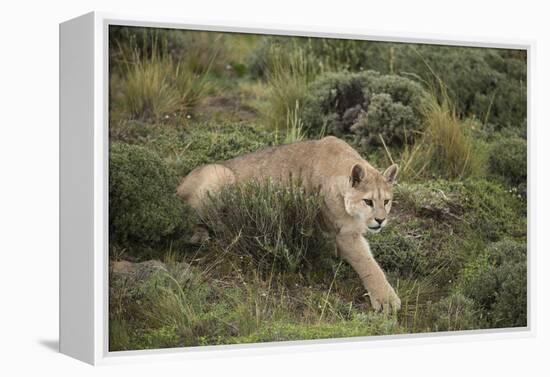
x=386 y=148
x=329 y=290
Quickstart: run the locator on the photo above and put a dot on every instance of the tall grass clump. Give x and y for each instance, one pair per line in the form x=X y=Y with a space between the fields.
x=268 y=223
x=157 y=304
x=288 y=78
x=156 y=86
x=447 y=148
x=295 y=130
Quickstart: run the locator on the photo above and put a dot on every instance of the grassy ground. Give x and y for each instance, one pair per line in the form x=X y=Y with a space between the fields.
x=455 y=248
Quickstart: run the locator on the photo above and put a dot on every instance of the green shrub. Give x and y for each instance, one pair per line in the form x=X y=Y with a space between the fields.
x=508 y=160
x=452 y=313
x=143 y=208
x=497 y=282
x=420 y=248
x=485 y=83
x=269 y=223
x=364 y=105
x=384 y=118
x=328 y=100
x=398 y=252
x=493 y=212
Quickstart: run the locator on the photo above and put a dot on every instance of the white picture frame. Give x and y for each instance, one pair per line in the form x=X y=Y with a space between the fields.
x=84 y=192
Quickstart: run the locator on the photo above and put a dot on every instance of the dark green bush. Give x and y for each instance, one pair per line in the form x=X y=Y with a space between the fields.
x=497 y=282
x=420 y=248
x=452 y=313
x=268 y=223
x=386 y=118
x=365 y=105
x=143 y=208
x=398 y=252
x=508 y=160
x=492 y=211
x=486 y=83
x=328 y=100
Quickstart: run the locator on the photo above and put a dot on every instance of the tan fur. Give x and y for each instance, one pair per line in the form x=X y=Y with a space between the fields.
x=343 y=179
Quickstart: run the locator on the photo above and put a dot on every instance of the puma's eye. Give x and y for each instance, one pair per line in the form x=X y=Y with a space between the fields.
x=368 y=202
x=386 y=202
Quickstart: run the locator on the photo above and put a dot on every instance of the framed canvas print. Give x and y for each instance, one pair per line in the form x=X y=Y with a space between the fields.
x=227 y=189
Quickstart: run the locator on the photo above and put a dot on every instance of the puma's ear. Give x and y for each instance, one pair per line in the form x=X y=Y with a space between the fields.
x=357 y=175
x=391 y=173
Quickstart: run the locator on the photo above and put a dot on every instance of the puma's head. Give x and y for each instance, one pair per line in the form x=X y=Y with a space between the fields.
x=370 y=195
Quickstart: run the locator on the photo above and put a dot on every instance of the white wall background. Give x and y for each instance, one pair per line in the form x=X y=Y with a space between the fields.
x=29 y=182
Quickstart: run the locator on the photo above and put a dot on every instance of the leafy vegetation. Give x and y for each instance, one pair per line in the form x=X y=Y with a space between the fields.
x=143 y=209
x=508 y=160
x=455 y=248
x=496 y=281
x=273 y=225
x=366 y=105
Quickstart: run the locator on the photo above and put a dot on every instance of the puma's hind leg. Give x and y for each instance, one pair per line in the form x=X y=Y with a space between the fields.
x=197 y=185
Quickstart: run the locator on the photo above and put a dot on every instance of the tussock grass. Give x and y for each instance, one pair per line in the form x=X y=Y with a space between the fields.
x=157 y=86
x=294 y=126
x=447 y=148
x=288 y=77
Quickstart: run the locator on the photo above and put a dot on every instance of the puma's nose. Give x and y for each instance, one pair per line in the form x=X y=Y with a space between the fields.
x=379 y=221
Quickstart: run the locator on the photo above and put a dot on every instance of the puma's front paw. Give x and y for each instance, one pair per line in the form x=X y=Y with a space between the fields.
x=383 y=298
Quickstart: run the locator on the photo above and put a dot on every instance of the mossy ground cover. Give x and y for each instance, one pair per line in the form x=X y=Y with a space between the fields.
x=455 y=247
